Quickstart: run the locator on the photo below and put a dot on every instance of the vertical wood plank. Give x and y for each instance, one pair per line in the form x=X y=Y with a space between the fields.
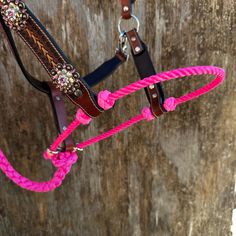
x=173 y=176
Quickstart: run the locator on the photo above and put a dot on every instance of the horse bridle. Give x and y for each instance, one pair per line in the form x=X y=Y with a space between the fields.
x=66 y=81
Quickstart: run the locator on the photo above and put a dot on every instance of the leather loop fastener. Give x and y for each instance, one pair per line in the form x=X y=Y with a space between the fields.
x=146 y=69
x=126 y=8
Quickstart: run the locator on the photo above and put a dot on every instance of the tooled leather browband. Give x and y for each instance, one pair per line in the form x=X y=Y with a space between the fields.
x=18 y=17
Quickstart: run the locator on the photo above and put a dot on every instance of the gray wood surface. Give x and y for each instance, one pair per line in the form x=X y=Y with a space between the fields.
x=173 y=176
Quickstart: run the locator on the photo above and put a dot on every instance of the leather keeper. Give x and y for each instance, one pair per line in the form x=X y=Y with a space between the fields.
x=135 y=42
x=126 y=8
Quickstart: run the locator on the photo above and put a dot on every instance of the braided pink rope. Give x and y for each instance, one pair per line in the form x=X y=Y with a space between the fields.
x=145 y=115
x=63 y=169
x=106 y=99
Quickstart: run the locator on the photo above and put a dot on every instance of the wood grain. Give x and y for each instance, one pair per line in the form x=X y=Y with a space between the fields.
x=173 y=176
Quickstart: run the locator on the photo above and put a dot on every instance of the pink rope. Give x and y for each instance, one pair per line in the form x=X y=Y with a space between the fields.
x=106 y=99
x=174 y=74
x=146 y=114
x=67 y=160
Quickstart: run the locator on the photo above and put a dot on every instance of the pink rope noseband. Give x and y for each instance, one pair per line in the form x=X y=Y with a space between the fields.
x=63 y=161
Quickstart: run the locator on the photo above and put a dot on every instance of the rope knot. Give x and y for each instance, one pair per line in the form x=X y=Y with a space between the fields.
x=170 y=104
x=82 y=117
x=64 y=159
x=147 y=114
x=104 y=100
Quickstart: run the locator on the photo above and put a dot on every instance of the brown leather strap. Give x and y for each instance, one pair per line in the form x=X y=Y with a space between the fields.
x=145 y=68
x=60 y=115
x=126 y=8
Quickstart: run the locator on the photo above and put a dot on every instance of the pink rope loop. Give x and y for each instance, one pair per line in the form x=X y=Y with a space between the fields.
x=104 y=100
x=64 y=164
x=147 y=114
x=82 y=117
x=170 y=104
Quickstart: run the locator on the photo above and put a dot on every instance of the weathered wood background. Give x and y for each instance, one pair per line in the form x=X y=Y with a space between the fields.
x=173 y=176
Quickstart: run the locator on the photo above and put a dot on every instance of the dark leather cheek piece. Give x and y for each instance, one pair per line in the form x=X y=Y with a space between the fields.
x=60 y=115
x=145 y=69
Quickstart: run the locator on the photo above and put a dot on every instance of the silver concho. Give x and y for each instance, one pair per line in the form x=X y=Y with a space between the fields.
x=66 y=79
x=14 y=14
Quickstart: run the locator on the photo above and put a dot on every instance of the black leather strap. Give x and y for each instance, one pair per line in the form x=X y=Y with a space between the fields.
x=105 y=70
x=39 y=85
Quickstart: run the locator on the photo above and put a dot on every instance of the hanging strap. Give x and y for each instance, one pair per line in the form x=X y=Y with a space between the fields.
x=146 y=69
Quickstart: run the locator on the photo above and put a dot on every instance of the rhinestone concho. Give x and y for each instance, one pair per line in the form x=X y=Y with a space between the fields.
x=66 y=79
x=14 y=13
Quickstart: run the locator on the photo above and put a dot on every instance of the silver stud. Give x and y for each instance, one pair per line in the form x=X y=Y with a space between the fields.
x=125 y=8
x=58 y=98
x=64 y=128
x=154 y=95
x=133 y=39
x=78 y=93
x=152 y=86
x=137 y=49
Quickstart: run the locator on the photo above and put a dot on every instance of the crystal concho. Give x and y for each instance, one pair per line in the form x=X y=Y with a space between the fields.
x=14 y=13
x=66 y=79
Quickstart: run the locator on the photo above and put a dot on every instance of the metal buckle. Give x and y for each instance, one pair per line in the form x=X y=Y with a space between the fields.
x=123 y=44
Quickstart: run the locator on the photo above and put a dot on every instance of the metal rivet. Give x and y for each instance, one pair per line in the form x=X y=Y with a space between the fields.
x=58 y=98
x=64 y=128
x=137 y=49
x=78 y=93
x=152 y=86
x=133 y=39
x=125 y=8
x=154 y=95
